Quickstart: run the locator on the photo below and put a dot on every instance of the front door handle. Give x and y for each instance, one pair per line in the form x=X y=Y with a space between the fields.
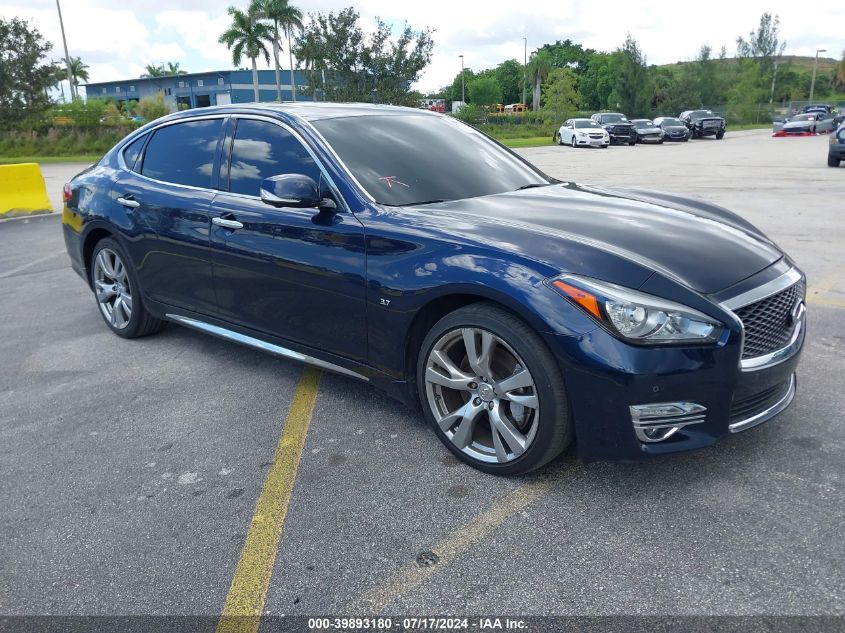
x=229 y=224
x=129 y=202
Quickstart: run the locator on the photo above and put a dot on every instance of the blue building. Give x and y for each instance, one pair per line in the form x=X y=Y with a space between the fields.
x=198 y=90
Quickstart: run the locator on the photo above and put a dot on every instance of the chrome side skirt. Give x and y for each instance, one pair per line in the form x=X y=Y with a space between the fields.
x=249 y=341
x=767 y=414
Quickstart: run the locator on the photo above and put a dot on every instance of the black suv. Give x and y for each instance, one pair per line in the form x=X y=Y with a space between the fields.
x=703 y=123
x=620 y=129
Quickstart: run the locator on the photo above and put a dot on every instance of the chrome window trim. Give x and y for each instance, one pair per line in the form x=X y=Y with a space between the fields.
x=256 y=343
x=776 y=285
x=767 y=414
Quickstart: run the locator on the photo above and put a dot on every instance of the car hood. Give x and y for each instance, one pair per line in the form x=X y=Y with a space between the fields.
x=797 y=124
x=702 y=246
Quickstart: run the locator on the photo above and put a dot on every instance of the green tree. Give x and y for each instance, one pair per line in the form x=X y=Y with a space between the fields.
x=763 y=44
x=596 y=85
x=509 y=75
x=484 y=91
x=569 y=54
x=631 y=91
x=173 y=68
x=25 y=74
x=154 y=70
x=358 y=68
x=284 y=18
x=560 y=98
x=455 y=89
x=539 y=67
x=78 y=71
x=152 y=108
x=246 y=36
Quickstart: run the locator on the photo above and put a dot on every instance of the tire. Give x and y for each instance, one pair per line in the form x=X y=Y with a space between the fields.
x=660 y=142
x=573 y=142
x=120 y=303
x=559 y=139
x=686 y=139
x=632 y=142
x=531 y=435
x=720 y=136
x=832 y=161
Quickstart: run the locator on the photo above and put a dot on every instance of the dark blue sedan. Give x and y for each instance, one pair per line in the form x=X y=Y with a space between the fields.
x=406 y=249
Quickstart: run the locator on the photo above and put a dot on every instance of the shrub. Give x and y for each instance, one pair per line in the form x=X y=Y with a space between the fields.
x=152 y=108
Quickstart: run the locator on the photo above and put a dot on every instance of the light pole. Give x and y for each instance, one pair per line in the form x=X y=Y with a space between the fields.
x=815 y=66
x=463 y=99
x=67 y=57
x=524 y=67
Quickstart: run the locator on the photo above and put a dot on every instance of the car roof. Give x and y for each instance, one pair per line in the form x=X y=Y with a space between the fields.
x=308 y=110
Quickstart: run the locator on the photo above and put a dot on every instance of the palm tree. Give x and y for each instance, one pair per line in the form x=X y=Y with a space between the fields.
x=285 y=18
x=539 y=67
x=154 y=70
x=173 y=69
x=78 y=70
x=246 y=36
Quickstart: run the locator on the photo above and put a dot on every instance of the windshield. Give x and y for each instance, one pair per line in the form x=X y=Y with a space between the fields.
x=698 y=114
x=613 y=118
x=804 y=117
x=586 y=123
x=412 y=159
x=643 y=124
x=671 y=122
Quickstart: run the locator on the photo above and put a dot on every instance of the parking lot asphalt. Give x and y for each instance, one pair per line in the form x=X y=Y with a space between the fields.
x=130 y=470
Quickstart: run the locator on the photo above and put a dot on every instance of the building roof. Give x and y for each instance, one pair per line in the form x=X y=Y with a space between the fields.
x=180 y=77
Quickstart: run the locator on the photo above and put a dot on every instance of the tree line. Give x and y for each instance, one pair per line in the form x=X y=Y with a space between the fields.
x=565 y=77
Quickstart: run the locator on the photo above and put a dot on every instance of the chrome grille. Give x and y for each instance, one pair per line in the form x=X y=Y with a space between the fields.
x=768 y=323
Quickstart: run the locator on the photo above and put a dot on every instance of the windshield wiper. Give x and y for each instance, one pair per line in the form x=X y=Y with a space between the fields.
x=533 y=185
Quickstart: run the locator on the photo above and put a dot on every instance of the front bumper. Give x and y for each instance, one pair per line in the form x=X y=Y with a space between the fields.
x=606 y=377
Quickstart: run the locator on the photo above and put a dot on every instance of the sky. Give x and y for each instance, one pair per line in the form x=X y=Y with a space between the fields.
x=117 y=39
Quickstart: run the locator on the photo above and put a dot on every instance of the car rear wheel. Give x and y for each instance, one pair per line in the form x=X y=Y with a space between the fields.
x=492 y=391
x=832 y=161
x=118 y=296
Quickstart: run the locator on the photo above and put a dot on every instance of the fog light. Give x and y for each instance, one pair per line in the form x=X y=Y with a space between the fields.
x=660 y=421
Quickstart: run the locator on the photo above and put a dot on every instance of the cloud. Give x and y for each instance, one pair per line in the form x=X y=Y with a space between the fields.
x=118 y=40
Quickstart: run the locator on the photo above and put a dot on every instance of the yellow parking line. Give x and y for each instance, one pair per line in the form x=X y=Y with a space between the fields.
x=447 y=550
x=826 y=302
x=245 y=601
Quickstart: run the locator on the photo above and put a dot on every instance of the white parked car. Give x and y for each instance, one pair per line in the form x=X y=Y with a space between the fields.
x=583 y=132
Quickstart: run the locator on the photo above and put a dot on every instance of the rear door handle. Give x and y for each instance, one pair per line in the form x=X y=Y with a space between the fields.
x=128 y=201
x=229 y=224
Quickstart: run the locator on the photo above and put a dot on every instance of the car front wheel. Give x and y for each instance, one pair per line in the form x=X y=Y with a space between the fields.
x=832 y=161
x=118 y=296
x=492 y=391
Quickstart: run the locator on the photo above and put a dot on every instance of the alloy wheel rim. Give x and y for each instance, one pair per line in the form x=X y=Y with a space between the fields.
x=482 y=395
x=111 y=286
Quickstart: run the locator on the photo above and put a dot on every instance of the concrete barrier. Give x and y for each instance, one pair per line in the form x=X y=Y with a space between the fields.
x=22 y=190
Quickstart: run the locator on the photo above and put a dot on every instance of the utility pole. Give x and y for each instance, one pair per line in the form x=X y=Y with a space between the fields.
x=67 y=57
x=524 y=67
x=463 y=96
x=774 y=78
x=815 y=66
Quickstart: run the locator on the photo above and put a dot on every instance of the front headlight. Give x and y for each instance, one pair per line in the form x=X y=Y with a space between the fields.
x=635 y=316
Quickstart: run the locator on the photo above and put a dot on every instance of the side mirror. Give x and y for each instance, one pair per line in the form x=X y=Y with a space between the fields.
x=291 y=190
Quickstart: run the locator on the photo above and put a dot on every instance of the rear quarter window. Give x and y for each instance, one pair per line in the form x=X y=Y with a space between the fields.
x=132 y=152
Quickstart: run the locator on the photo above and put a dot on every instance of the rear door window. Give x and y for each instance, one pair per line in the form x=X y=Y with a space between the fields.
x=183 y=153
x=262 y=149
